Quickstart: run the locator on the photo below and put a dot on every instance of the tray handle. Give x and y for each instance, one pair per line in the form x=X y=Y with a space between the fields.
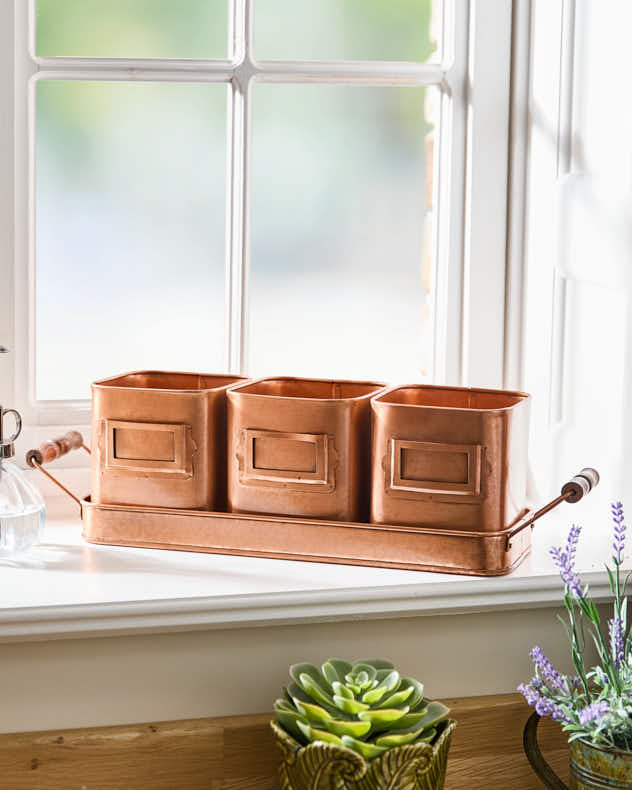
x=55 y=448
x=572 y=491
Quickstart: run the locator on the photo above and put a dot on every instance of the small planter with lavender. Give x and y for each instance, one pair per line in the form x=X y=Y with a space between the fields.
x=594 y=706
x=360 y=726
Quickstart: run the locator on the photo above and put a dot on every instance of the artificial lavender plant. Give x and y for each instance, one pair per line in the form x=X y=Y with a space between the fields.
x=596 y=703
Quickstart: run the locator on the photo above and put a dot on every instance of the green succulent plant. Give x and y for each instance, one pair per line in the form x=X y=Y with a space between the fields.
x=365 y=706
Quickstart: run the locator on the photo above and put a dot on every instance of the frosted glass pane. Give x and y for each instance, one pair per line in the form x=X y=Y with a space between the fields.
x=130 y=218
x=342 y=278
x=347 y=29
x=132 y=28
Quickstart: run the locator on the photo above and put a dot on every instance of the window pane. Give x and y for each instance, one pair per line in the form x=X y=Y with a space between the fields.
x=347 y=29
x=132 y=28
x=130 y=218
x=343 y=265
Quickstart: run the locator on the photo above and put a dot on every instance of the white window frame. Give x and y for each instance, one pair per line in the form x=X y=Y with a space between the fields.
x=471 y=192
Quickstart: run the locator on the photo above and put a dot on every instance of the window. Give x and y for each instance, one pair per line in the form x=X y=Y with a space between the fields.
x=315 y=188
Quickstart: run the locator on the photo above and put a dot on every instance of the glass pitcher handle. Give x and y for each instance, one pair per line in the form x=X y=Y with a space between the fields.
x=532 y=749
x=18 y=424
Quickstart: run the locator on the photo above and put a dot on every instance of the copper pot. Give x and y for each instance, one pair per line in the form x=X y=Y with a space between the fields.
x=159 y=439
x=449 y=457
x=300 y=447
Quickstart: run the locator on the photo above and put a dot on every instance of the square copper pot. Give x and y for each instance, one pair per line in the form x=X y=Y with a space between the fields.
x=449 y=457
x=159 y=439
x=300 y=447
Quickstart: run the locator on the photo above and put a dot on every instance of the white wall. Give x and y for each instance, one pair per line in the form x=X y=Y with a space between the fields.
x=103 y=681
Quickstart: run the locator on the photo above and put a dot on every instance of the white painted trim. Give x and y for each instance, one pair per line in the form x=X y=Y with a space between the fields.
x=99 y=74
x=234 y=153
x=486 y=193
x=241 y=270
x=24 y=296
x=542 y=341
x=517 y=195
x=7 y=300
x=566 y=87
x=371 y=72
x=241 y=611
x=450 y=204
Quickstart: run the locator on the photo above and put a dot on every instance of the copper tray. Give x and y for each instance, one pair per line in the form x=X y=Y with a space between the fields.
x=407 y=547
x=310 y=540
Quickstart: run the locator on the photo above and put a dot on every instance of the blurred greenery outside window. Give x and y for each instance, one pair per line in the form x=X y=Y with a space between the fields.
x=131 y=190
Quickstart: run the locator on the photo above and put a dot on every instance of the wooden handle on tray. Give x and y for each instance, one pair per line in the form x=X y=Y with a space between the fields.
x=55 y=448
x=580 y=485
x=572 y=491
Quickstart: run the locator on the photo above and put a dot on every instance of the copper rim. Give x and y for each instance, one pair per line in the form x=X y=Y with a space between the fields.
x=373 y=386
x=224 y=380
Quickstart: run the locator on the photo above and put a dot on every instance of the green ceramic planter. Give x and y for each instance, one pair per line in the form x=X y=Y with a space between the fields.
x=327 y=766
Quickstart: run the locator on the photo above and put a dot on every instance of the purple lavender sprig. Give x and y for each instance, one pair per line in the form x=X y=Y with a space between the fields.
x=618 y=544
x=547 y=672
x=617 y=641
x=565 y=561
x=594 y=712
x=530 y=692
x=547 y=707
x=543 y=705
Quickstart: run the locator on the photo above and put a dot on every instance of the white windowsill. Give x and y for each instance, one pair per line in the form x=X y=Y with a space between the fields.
x=68 y=588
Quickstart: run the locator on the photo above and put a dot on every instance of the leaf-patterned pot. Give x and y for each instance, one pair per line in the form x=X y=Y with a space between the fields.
x=327 y=766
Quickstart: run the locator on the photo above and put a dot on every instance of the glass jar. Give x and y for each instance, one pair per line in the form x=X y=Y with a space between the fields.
x=22 y=511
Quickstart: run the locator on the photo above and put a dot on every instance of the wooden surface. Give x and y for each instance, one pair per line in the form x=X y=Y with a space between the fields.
x=238 y=753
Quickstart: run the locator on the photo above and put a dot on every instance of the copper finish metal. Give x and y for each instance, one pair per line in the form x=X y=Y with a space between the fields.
x=300 y=447
x=313 y=540
x=159 y=439
x=449 y=467
x=449 y=458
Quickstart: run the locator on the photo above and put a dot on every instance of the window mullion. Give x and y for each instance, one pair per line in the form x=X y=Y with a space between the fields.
x=486 y=194
x=94 y=72
x=244 y=269
x=237 y=226
x=383 y=73
x=238 y=186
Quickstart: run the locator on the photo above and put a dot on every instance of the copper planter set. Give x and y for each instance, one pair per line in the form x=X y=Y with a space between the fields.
x=416 y=477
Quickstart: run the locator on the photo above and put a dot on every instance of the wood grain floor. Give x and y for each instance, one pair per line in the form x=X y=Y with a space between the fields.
x=238 y=753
